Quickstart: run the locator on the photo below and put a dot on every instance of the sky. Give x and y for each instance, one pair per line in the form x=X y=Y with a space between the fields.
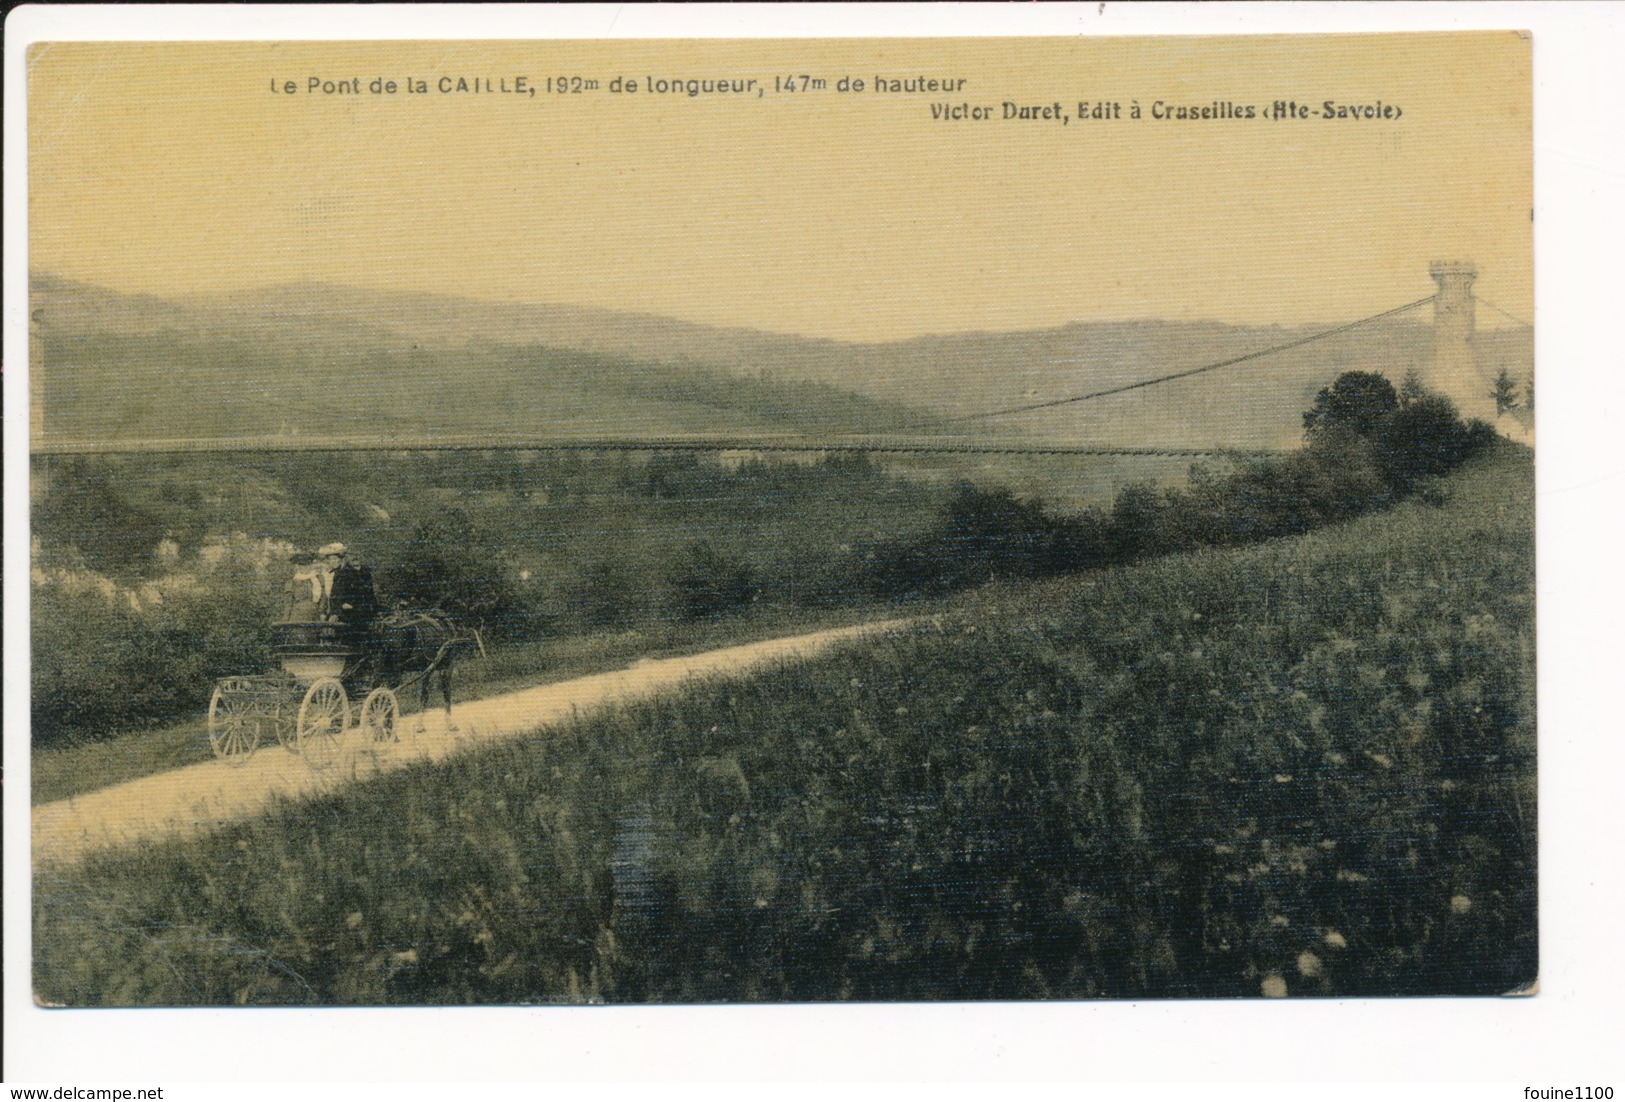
x=185 y=168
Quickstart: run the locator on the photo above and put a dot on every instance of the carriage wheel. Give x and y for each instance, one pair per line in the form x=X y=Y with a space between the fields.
x=283 y=718
x=323 y=717
x=234 y=725
x=378 y=716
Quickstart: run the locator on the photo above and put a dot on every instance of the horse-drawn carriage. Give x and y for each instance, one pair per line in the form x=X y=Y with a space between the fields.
x=325 y=668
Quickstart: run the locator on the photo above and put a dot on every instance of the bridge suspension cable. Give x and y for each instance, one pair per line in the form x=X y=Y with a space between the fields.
x=1195 y=370
x=1503 y=313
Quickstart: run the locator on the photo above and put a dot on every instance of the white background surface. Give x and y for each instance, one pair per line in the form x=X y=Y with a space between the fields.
x=1566 y=1036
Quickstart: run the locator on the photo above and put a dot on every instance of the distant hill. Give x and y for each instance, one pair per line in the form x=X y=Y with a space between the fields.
x=317 y=358
x=316 y=362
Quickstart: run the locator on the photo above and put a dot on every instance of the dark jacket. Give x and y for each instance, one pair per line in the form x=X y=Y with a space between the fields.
x=352 y=597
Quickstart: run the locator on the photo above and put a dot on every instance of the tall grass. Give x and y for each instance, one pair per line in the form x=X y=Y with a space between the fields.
x=1305 y=766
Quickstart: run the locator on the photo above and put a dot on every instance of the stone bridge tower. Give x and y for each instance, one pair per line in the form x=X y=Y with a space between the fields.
x=1453 y=371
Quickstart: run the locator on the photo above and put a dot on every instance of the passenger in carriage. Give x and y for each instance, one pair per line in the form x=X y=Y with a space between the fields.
x=351 y=597
x=304 y=590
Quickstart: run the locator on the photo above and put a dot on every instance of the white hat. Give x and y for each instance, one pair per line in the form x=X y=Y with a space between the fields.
x=330 y=549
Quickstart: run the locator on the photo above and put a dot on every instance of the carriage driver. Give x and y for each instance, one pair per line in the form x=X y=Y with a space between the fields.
x=350 y=596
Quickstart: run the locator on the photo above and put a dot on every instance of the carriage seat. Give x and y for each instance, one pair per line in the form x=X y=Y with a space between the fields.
x=310 y=651
x=316 y=637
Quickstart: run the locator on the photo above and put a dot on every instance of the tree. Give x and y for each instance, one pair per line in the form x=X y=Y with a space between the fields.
x=1425 y=438
x=1356 y=401
x=1505 y=393
x=1138 y=519
x=1411 y=388
x=992 y=525
x=451 y=563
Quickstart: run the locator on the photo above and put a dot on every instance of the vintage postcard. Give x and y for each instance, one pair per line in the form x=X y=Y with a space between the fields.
x=883 y=520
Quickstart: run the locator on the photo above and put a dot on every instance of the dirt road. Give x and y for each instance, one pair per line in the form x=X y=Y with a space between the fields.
x=203 y=796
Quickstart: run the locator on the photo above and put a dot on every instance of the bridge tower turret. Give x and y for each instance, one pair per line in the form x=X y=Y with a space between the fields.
x=1454 y=368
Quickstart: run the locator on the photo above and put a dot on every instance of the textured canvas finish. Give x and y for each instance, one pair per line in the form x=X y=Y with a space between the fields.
x=1033 y=519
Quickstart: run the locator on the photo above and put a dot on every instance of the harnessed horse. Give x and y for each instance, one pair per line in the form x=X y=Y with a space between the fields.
x=415 y=644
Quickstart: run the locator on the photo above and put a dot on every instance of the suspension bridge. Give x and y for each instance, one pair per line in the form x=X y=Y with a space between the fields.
x=1453 y=371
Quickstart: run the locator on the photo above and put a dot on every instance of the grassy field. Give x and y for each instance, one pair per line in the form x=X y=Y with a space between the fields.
x=1305 y=767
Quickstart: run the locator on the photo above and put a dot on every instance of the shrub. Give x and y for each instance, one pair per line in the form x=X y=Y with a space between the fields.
x=606 y=593
x=1413 y=434
x=989 y=533
x=108 y=658
x=1139 y=522
x=1421 y=438
x=1356 y=401
x=707 y=583
x=981 y=535
x=1346 y=478
x=452 y=563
